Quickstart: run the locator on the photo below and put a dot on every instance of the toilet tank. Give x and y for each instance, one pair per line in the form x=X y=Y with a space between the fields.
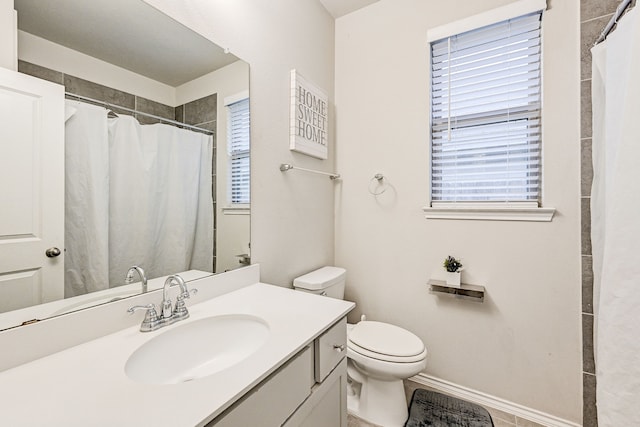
x=327 y=281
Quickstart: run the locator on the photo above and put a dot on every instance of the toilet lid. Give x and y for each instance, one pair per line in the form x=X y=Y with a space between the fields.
x=386 y=339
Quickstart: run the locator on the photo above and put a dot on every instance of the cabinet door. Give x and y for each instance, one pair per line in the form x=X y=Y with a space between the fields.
x=273 y=400
x=31 y=190
x=327 y=405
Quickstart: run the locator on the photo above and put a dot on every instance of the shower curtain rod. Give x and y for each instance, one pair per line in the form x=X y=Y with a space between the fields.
x=162 y=119
x=620 y=10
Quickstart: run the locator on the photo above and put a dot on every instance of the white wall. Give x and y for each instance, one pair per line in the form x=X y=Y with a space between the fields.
x=291 y=214
x=523 y=343
x=8 y=35
x=225 y=81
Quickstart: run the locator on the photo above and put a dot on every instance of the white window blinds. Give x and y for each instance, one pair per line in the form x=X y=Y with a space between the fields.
x=238 y=148
x=485 y=114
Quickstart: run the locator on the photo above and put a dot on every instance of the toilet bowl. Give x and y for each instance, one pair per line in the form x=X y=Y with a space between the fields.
x=380 y=356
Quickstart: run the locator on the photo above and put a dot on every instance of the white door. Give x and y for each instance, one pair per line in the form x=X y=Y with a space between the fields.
x=31 y=190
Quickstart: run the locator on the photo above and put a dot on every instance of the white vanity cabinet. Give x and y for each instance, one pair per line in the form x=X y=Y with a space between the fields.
x=309 y=390
x=296 y=378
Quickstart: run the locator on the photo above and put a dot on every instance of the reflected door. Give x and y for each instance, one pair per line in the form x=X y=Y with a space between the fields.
x=31 y=191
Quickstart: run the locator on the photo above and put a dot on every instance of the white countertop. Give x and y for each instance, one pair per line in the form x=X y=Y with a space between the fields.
x=86 y=385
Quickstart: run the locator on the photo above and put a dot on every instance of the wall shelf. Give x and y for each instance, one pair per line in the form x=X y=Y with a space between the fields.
x=465 y=291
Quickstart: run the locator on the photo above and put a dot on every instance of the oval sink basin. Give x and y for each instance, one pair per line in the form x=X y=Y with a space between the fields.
x=197 y=349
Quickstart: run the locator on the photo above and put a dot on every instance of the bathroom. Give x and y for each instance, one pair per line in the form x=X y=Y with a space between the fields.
x=528 y=346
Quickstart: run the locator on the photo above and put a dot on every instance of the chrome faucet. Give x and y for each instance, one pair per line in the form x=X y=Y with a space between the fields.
x=143 y=278
x=173 y=280
x=168 y=314
x=179 y=312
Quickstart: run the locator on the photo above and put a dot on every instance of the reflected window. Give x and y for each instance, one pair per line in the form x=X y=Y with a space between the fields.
x=238 y=149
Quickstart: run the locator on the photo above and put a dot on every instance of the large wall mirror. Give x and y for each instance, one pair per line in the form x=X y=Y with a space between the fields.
x=156 y=153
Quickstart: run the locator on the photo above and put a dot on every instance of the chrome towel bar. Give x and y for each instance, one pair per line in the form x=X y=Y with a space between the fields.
x=286 y=166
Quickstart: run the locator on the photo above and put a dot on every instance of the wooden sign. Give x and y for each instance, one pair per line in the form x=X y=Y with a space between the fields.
x=309 y=117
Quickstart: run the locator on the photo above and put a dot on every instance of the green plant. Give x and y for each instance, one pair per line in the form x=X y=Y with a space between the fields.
x=451 y=264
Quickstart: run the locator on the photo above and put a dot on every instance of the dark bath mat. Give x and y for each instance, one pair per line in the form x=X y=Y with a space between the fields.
x=429 y=408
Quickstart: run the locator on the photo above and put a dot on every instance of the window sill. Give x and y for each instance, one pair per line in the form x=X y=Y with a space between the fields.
x=490 y=213
x=236 y=210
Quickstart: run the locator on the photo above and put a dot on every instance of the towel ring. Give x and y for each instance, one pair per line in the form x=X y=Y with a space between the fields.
x=379 y=178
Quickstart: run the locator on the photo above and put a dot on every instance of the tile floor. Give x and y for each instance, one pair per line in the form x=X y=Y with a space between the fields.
x=500 y=418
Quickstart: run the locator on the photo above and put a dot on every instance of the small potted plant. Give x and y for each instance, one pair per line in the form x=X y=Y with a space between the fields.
x=453 y=267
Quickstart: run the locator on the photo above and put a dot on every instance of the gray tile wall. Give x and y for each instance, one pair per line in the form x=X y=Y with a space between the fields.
x=594 y=15
x=98 y=92
x=151 y=107
x=201 y=112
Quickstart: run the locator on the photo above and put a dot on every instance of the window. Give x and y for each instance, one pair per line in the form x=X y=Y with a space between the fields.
x=486 y=115
x=238 y=150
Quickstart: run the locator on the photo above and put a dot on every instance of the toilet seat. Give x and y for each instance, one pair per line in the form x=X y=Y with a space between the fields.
x=385 y=342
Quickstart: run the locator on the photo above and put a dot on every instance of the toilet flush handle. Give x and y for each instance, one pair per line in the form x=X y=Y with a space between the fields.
x=339 y=348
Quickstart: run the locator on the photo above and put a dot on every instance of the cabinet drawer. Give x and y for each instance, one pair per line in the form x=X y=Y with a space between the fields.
x=330 y=349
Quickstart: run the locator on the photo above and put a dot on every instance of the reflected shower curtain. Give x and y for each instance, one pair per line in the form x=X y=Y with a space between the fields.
x=160 y=205
x=86 y=229
x=615 y=223
x=144 y=198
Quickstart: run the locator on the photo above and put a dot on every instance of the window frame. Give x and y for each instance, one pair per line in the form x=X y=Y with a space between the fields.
x=232 y=207
x=485 y=210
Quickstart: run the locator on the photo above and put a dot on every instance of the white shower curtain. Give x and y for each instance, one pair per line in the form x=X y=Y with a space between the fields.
x=615 y=223
x=86 y=201
x=161 y=210
x=144 y=198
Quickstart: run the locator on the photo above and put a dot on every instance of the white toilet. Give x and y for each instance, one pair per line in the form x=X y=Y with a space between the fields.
x=380 y=356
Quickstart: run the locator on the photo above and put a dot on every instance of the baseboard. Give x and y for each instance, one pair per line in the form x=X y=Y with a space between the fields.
x=491 y=401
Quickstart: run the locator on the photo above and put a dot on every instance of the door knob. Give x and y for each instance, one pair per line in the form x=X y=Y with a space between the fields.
x=52 y=252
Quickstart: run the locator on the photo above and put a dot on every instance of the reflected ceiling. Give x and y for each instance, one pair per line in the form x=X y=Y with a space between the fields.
x=81 y=25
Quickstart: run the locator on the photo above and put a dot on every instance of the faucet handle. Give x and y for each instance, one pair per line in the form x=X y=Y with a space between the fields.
x=180 y=310
x=147 y=307
x=151 y=319
x=188 y=293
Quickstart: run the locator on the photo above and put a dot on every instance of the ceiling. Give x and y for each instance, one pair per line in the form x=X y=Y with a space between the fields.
x=128 y=33
x=338 y=8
